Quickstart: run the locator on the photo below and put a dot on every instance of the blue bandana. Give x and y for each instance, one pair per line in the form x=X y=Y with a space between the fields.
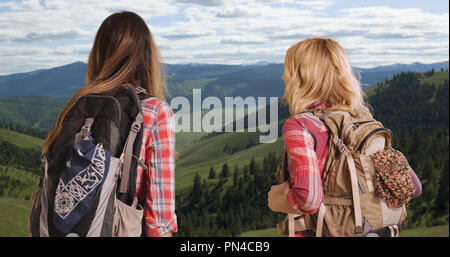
x=87 y=165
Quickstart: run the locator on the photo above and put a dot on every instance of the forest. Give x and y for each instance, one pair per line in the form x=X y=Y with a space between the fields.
x=235 y=204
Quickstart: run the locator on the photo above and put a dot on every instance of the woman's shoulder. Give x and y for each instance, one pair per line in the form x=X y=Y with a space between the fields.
x=154 y=104
x=307 y=121
x=306 y=127
x=153 y=107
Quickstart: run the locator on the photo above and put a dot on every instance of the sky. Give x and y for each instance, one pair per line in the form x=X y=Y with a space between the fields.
x=40 y=34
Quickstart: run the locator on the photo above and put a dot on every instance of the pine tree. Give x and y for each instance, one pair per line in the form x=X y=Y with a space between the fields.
x=225 y=171
x=196 y=187
x=212 y=173
x=246 y=173
x=235 y=175
x=253 y=167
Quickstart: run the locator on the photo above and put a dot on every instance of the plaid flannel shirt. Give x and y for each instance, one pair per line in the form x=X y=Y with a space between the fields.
x=305 y=138
x=155 y=187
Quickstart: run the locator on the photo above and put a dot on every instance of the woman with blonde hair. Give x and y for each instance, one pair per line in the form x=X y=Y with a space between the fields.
x=318 y=77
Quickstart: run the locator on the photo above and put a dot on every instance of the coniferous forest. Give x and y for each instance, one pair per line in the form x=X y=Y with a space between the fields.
x=235 y=204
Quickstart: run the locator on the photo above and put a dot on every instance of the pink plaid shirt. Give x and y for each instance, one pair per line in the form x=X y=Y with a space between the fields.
x=305 y=137
x=155 y=187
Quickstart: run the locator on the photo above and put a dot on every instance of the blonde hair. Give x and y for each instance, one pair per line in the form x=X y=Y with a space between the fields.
x=317 y=70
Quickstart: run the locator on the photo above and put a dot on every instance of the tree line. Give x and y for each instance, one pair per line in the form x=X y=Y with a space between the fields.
x=229 y=203
x=39 y=133
x=21 y=158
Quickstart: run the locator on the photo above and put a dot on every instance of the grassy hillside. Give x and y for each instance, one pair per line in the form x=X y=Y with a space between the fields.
x=14 y=217
x=198 y=157
x=437 y=231
x=184 y=87
x=20 y=140
x=17 y=183
x=31 y=111
x=437 y=78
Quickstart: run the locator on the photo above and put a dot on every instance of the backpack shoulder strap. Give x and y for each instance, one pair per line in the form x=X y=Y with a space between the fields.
x=127 y=154
x=128 y=151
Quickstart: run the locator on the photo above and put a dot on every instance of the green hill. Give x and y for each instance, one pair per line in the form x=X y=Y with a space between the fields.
x=20 y=140
x=31 y=111
x=436 y=78
x=412 y=101
x=14 y=217
x=19 y=164
x=17 y=183
x=199 y=156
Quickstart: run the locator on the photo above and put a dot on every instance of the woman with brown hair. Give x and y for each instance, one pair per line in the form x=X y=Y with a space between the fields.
x=124 y=52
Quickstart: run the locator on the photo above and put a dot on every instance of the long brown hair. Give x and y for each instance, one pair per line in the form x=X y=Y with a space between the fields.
x=124 y=52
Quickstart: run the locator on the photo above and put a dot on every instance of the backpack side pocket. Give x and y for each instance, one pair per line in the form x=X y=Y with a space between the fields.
x=127 y=220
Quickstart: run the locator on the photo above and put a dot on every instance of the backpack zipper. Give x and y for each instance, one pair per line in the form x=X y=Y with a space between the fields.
x=373 y=132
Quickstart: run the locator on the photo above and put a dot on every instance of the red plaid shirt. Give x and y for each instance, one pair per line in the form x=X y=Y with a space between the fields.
x=156 y=185
x=305 y=138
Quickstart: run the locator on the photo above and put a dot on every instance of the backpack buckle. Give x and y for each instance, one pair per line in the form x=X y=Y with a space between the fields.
x=135 y=127
x=341 y=146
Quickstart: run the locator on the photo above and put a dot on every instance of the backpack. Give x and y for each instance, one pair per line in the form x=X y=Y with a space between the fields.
x=88 y=174
x=366 y=182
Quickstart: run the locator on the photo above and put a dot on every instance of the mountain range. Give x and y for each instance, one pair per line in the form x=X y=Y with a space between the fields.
x=215 y=79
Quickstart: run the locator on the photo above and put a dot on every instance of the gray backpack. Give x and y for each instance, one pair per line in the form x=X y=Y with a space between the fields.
x=88 y=175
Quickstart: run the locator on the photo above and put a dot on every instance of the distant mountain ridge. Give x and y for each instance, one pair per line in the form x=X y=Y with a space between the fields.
x=415 y=67
x=228 y=80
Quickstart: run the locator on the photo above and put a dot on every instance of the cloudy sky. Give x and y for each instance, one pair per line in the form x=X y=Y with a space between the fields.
x=38 y=34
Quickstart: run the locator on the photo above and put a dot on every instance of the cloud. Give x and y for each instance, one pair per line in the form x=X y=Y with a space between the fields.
x=31 y=21
x=219 y=31
x=24 y=5
x=388 y=35
x=184 y=36
x=232 y=13
x=51 y=35
x=317 y=4
x=202 y=2
x=241 y=41
x=16 y=59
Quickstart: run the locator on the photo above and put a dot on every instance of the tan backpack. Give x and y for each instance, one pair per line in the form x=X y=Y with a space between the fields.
x=351 y=204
